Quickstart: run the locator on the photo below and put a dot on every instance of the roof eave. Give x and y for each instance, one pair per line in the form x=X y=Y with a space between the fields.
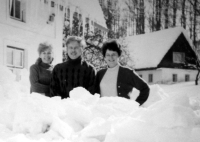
x=148 y=68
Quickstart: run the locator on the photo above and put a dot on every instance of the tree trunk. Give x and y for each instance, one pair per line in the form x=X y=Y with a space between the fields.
x=109 y=20
x=166 y=14
x=195 y=19
x=198 y=68
x=197 y=77
x=191 y=24
x=137 y=22
x=142 y=20
x=153 y=17
x=158 y=15
x=174 y=12
x=183 y=16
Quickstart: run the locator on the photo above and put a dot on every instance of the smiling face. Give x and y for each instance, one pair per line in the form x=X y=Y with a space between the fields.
x=74 y=50
x=111 y=58
x=46 y=56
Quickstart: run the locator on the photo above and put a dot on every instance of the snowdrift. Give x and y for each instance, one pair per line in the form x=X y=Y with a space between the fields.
x=88 y=118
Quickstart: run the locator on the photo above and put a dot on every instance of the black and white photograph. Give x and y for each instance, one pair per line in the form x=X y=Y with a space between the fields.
x=100 y=71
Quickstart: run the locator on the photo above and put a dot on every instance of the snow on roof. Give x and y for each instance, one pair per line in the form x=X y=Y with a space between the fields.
x=147 y=50
x=91 y=8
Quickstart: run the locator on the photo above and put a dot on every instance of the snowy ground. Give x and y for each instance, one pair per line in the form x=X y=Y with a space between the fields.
x=171 y=114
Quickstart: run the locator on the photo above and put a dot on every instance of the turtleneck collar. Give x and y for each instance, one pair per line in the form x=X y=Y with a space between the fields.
x=74 y=61
x=45 y=65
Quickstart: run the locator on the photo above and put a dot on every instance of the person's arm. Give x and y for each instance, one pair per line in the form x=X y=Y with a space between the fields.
x=142 y=86
x=91 y=80
x=36 y=86
x=54 y=83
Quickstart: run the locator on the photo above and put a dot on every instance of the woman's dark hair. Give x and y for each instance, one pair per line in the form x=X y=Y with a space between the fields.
x=111 y=45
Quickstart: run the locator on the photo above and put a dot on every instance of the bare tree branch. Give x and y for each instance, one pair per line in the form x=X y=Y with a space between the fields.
x=192 y=3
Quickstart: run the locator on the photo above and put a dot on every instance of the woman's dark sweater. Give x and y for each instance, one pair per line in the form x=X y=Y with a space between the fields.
x=69 y=75
x=40 y=76
x=127 y=79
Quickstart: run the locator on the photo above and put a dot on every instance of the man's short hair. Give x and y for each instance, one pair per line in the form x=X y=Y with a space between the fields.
x=77 y=39
x=111 y=45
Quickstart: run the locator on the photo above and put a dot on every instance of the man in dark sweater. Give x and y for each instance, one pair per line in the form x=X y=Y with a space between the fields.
x=73 y=73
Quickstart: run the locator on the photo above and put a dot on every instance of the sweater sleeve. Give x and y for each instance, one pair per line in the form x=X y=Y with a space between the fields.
x=143 y=87
x=96 y=84
x=36 y=86
x=91 y=80
x=54 y=83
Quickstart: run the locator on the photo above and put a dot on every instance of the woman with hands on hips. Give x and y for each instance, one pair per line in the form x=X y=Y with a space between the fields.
x=116 y=80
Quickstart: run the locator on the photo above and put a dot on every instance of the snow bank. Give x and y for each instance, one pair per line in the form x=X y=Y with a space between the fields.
x=88 y=118
x=9 y=88
x=156 y=94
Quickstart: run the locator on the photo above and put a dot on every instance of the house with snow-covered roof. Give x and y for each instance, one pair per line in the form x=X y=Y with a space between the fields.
x=164 y=56
x=24 y=24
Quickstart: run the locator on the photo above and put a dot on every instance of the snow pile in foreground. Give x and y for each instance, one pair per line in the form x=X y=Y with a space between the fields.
x=87 y=118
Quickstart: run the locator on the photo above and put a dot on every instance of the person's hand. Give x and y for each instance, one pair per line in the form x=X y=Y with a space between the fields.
x=50 y=68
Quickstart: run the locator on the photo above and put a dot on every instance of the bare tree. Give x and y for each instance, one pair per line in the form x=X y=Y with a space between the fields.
x=158 y=15
x=198 y=73
x=166 y=4
x=132 y=6
x=183 y=16
x=137 y=10
x=174 y=12
x=195 y=6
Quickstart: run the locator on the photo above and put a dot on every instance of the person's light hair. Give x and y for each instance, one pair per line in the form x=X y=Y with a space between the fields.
x=41 y=48
x=77 y=39
x=44 y=46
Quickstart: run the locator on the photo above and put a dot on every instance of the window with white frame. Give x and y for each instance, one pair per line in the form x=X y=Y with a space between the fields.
x=150 y=78
x=17 y=10
x=15 y=60
x=178 y=57
x=174 y=77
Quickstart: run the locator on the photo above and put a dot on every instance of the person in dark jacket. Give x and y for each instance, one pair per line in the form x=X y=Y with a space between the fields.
x=117 y=80
x=40 y=72
x=74 y=72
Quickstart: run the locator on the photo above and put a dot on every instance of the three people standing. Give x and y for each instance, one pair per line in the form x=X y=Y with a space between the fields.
x=115 y=80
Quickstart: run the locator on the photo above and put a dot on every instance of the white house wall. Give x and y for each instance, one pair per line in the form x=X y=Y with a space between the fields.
x=167 y=74
x=164 y=75
x=28 y=35
x=157 y=75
